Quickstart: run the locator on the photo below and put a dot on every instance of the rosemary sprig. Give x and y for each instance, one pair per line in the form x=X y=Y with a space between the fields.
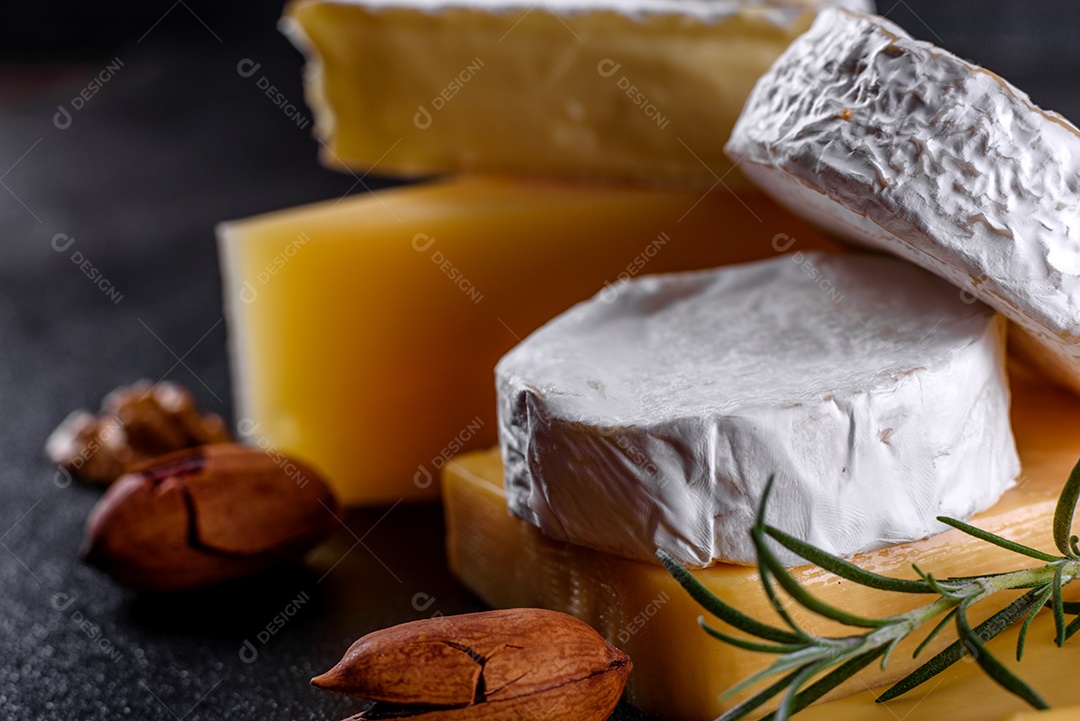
x=810 y=665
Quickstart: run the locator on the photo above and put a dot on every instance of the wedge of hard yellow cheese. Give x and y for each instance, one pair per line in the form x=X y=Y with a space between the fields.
x=364 y=331
x=1060 y=713
x=626 y=89
x=679 y=672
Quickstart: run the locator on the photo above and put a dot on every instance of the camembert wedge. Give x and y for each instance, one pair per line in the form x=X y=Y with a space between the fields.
x=896 y=144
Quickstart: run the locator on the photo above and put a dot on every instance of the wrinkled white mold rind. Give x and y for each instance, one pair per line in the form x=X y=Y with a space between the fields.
x=898 y=145
x=653 y=414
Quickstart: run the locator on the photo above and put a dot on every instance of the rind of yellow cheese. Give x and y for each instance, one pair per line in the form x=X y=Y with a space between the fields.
x=525 y=90
x=679 y=672
x=364 y=330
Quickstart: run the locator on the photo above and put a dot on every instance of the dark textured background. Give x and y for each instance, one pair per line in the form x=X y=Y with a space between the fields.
x=174 y=143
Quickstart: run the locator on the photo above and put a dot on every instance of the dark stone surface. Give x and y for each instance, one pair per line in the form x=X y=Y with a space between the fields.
x=176 y=141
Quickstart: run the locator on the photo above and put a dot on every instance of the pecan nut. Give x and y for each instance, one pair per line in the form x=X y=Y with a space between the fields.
x=206 y=515
x=511 y=665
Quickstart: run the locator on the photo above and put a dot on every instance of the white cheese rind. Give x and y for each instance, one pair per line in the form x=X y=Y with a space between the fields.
x=895 y=144
x=651 y=415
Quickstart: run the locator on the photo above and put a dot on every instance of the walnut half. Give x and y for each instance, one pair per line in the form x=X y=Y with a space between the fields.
x=136 y=423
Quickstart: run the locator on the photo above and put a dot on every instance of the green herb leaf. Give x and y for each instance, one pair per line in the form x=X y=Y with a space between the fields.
x=804 y=597
x=1073 y=627
x=952 y=653
x=998 y=540
x=803 y=656
x=831 y=680
x=768 y=561
x=774 y=601
x=1059 y=604
x=933 y=634
x=1071 y=607
x=787 y=704
x=728 y=614
x=945 y=589
x=806 y=656
x=1040 y=601
x=888 y=652
x=1063 y=513
x=845 y=569
x=747 y=644
x=994 y=668
x=757 y=700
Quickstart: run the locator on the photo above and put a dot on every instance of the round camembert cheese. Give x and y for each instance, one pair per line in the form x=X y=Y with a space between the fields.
x=652 y=415
x=896 y=144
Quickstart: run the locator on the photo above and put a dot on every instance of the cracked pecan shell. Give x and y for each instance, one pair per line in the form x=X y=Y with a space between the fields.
x=206 y=515
x=518 y=664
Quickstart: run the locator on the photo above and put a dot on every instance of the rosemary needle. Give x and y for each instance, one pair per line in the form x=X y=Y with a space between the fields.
x=810 y=666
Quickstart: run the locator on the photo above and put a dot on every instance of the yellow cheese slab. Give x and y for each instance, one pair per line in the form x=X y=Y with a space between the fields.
x=415 y=88
x=364 y=330
x=679 y=672
x=1061 y=713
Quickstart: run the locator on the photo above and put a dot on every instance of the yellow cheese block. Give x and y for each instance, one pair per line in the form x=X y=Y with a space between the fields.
x=639 y=89
x=364 y=330
x=679 y=672
x=1061 y=713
